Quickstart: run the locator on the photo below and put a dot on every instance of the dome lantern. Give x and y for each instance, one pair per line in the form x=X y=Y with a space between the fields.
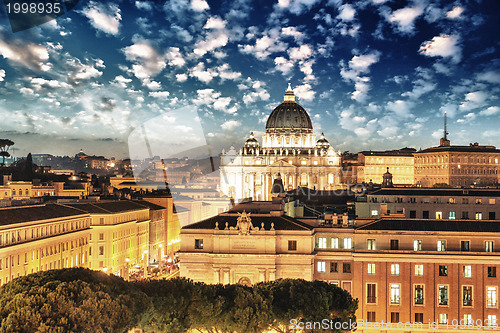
x=289 y=95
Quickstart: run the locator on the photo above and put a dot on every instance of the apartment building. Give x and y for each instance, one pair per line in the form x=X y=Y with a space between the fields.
x=42 y=237
x=430 y=203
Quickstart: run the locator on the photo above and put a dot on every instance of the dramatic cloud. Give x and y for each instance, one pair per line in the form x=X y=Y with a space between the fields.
x=199 y=5
x=445 y=46
x=175 y=58
x=404 y=18
x=2 y=75
x=25 y=53
x=474 y=100
x=103 y=17
x=455 y=12
x=147 y=61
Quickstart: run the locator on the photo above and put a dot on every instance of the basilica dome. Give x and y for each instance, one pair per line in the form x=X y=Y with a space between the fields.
x=289 y=117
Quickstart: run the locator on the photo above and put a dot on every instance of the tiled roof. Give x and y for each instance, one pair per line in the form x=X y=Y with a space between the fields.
x=280 y=222
x=473 y=226
x=109 y=207
x=465 y=149
x=151 y=205
x=13 y=215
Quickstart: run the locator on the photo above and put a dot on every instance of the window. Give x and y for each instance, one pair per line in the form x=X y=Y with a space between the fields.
x=322 y=242
x=419 y=294
x=439 y=215
x=425 y=214
x=374 y=212
x=417 y=245
x=451 y=215
x=492 y=320
x=465 y=215
x=292 y=245
x=441 y=245
x=371 y=269
x=394 y=317
x=479 y=216
x=321 y=267
x=346 y=268
x=371 y=244
x=101 y=236
x=442 y=295
x=488 y=246
x=413 y=214
x=467 y=295
x=394 y=293
x=371 y=293
x=467 y=271
x=335 y=243
x=394 y=244
x=394 y=269
x=492 y=216
x=334 y=267
x=492 y=271
x=419 y=270
x=419 y=317
x=443 y=270
x=491 y=297
x=443 y=318
x=198 y=244
x=464 y=245
x=101 y=250
x=101 y=220
x=468 y=319
x=478 y=201
x=347 y=243
x=370 y=316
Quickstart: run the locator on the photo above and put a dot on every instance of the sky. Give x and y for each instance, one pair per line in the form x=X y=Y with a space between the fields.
x=143 y=78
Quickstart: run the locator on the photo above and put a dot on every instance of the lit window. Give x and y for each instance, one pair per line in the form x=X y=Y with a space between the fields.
x=491 y=297
x=417 y=245
x=419 y=270
x=488 y=246
x=371 y=244
x=395 y=269
x=303 y=162
x=321 y=267
x=371 y=269
x=335 y=243
x=467 y=271
x=468 y=319
x=419 y=294
x=443 y=295
x=451 y=215
x=394 y=293
x=439 y=215
x=198 y=244
x=491 y=201
x=443 y=318
x=492 y=320
x=322 y=242
x=374 y=212
x=441 y=245
x=347 y=243
x=467 y=295
x=479 y=216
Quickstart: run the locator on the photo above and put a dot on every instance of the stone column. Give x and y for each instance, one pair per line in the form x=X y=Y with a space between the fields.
x=226 y=278
x=216 y=275
x=272 y=274
x=262 y=275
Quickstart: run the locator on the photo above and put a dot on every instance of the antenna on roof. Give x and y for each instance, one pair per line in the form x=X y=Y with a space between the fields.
x=445 y=132
x=444 y=140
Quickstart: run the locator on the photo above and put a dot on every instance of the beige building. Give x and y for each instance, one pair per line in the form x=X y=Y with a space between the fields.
x=472 y=165
x=373 y=164
x=42 y=237
x=289 y=150
x=119 y=235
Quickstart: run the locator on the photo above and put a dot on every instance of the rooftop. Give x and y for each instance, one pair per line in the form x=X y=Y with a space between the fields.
x=449 y=192
x=473 y=226
x=110 y=207
x=13 y=215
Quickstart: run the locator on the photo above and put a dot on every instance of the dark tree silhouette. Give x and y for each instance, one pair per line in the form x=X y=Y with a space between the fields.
x=4 y=147
x=28 y=168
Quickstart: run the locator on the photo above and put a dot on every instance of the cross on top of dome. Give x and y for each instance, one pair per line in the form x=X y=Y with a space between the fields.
x=289 y=95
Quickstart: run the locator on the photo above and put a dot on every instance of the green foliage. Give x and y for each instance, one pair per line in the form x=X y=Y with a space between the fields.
x=81 y=300
x=442 y=185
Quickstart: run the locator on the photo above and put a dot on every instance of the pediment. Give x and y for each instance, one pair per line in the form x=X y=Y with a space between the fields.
x=282 y=163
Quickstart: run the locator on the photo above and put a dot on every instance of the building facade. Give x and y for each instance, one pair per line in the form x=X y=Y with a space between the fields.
x=289 y=150
x=373 y=164
x=428 y=203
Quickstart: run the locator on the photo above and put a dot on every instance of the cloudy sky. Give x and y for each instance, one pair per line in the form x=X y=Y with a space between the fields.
x=373 y=74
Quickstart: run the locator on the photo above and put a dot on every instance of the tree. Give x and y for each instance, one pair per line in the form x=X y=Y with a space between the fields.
x=28 y=168
x=4 y=147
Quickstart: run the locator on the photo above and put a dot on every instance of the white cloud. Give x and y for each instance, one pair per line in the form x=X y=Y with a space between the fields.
x=358 y=65
x=2 y=75
x=144 y=5
x=300 y=53
x=474 y=100
x=296 y=7
x=25 y=53
x=304 y=92
x=445 y=46
x=147 y=61
x=199 y=5
x=213 y=41
x=159 y=94
x=212 y=98
x=121 y=81
x=103 y=17
x=225 y=72
x=401 y=108
x=404 y=18
x=175 y=58
x=347 y=12
x=264 y=46
x=283 y=65
x=349 y=121
x=181 y=77
x=202 y=74
x=215 y=23
x=230 y=125
x=492 y=110
x=455 y=12
x=489 y=76
x=39 y=83
x=292 y=31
